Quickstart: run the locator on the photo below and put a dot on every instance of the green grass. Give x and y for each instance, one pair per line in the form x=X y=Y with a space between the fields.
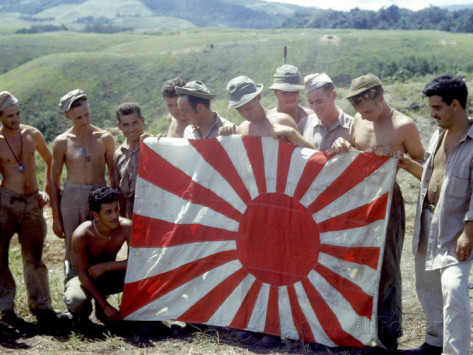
x=117 y=68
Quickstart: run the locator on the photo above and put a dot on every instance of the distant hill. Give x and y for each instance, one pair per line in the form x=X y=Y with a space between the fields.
x=124 y=67
x=146 y=15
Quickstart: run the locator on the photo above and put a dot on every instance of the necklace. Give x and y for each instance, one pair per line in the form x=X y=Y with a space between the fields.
x=94 y=223
x=20 y=160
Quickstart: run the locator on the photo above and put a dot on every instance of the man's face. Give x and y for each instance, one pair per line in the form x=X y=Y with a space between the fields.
x=109 y=215
x=79 y=115
x=131 y=126
x=249 y=110
x=441 y=111
x=187 y=111
x=171 y=103
x=287 y=100
x=10 y=117
x=322 y=102
x=370 y=110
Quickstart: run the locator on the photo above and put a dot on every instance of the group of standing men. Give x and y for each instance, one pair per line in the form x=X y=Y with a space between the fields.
x=443 y=237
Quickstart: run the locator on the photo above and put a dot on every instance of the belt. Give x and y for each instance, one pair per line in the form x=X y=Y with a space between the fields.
x=83 y=186
x=429 y=207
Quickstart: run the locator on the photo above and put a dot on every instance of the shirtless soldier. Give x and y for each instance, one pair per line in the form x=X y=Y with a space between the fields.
x=379 y=128
x=287 y=86
x=85 y=150
x=95 y=245
x=244 y=96
x=177 y=122
x=21 y=206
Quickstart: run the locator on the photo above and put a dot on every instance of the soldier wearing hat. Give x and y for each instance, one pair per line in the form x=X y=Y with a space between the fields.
x=381 y=129
x=85 y=150
x=21 y=206
x=245 y=96
x=328 y=122
x=194 y=104
x=287 y=86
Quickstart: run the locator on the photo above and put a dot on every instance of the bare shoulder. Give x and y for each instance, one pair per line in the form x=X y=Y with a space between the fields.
x=61 y=140
x=401 y=121
x=101 y=133
x=279 y=118
x=81 y=233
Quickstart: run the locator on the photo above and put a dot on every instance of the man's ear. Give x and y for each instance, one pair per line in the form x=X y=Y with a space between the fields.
x=95 y=215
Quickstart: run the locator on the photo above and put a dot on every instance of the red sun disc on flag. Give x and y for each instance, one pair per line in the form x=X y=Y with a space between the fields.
x=278 y=240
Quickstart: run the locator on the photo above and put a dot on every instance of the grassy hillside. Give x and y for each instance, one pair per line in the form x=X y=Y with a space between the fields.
x=131 y=67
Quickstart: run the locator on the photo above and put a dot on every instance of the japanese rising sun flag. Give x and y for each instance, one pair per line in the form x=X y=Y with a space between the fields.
x=252 y=233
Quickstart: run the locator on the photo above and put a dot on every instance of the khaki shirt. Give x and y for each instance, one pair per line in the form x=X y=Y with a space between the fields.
x=315 y=132
x=126 y=169
x=192 y=131
x=455 y=205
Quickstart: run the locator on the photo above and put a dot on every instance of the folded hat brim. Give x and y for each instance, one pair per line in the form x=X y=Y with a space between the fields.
x=286 y=87
x=245 y=98
x=183 y=91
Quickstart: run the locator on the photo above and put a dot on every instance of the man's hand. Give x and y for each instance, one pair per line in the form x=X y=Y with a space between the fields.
x=383 y=151
x=282 y=132
x=43 y=199
x=112 y=313
x=341 y=145
x=97 y=270
x=227 y=130
x=464 y=247
x=58 y=229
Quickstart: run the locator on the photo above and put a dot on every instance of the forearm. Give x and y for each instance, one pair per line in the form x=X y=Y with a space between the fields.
x=87 y=283
x=297 y=139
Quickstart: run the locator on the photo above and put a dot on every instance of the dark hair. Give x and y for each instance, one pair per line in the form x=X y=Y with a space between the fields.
x=328 y=88
x=128 y=109
x=449 y=87
x=368 y=95
x=100 y=196
x=78 y=102
x=169 y=87
x=194 y=101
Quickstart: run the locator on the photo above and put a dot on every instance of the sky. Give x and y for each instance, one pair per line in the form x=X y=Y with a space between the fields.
x=345 y=5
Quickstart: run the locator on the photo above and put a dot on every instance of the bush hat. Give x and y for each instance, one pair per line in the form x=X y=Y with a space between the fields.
x=67 y=100
x=7 y=100
x=195 y=88
x=242 y=90
x=363 y=83
x=287 y=78
x=316 y=81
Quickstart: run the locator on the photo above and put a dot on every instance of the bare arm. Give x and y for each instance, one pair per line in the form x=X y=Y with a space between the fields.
x=79 y=249
x=109 y=151
x=414 y=149
x=45 y=153
x=58 y=159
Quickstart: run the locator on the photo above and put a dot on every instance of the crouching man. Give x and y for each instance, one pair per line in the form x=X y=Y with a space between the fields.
x=95 y=245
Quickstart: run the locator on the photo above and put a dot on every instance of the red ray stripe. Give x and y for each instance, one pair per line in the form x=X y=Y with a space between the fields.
x=243 y=316
x=368 y=256
x=328 y=319
x=254 y=150
x=160 y=172
x=362 y=167
x=312 y=168
x=358 y=217
x=156 y=233
x=214 y=154
x=361 y=302
x=300 y=321
x=204 y=309
x=284 y=162
x=273 y=325
x=140 y=293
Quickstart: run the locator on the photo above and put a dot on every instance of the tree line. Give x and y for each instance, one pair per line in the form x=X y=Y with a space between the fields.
x=390 y=18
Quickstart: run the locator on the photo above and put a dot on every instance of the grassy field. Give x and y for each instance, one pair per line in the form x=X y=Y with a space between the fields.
x=116 y=68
